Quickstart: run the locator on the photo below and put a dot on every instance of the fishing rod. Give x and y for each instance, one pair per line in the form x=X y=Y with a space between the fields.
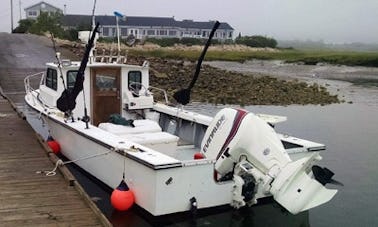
x=183 y=96
x=66 y=102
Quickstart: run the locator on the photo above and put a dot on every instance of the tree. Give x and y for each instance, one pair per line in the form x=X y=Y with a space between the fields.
x=48 y=23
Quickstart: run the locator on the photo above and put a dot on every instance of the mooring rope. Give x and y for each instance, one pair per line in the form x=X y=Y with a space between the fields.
x=61 y=163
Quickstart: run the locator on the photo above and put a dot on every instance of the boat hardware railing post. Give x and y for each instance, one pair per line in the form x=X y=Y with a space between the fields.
x=28 y=87
x=162 y=90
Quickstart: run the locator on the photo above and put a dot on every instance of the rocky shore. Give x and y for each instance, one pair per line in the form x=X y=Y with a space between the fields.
x=220 y=86
x=225 y=87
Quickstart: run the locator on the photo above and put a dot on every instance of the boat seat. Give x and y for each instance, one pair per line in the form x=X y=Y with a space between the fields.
x=159 y=141
x=141 y=126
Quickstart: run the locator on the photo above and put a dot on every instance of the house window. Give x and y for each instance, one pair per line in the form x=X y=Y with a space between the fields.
x=230 y=35
x=32 y=13
x=71 y=79
x=133 y=31
x=123 y=31
x=105 y=31
x=163 y=32
x=113 y=32
x=51 y=79
x=172 y=33
x=150 y=32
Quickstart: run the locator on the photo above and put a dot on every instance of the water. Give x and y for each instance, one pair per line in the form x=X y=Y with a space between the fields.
x=350 y=132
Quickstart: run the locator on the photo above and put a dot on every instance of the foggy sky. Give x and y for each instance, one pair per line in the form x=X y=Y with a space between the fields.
x=333 y=21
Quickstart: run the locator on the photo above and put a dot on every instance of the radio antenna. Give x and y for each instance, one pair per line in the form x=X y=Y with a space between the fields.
x=93 y=15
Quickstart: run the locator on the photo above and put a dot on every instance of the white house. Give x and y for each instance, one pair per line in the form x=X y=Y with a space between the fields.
x=156 y=27
x=32 y=12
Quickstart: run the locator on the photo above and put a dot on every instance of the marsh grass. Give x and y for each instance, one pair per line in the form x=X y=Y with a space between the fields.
x=308 y=57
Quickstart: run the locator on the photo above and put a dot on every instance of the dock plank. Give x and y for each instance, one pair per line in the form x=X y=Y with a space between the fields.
x=29 y=198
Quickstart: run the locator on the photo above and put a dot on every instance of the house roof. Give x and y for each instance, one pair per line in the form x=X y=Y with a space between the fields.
x=74 y=20
x=202 y=25
x=42 y=2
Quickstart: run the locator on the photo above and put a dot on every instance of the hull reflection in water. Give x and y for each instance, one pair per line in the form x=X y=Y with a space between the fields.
x=267 y=213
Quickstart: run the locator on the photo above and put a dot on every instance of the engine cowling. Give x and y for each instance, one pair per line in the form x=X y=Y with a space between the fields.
x=235 y=133
x=248 y=149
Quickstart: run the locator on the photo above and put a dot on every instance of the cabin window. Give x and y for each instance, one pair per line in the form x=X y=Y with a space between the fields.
x=51 y=79
x=106 y=82
x=135 y=77
x=71 y=79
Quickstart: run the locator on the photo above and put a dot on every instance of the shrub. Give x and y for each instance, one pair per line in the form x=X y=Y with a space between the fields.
x=164 y=42
x=24 y=26
x=256 y=41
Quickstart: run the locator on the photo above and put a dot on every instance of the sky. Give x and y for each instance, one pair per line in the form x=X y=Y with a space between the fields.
x=331 y=21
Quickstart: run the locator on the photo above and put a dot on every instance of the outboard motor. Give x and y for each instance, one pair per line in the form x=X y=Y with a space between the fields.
x=248 y=151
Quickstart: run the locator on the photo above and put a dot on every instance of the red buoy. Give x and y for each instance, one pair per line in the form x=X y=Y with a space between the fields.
x=55 y=147
x=122 y=198
x=199 y=155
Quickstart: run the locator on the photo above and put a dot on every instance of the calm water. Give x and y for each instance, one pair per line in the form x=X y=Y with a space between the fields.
x=350 y=132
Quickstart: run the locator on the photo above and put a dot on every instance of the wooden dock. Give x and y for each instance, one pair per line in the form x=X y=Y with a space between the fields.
x=31 y=199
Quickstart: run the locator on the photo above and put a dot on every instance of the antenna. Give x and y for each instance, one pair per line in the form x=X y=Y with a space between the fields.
x=93 y=29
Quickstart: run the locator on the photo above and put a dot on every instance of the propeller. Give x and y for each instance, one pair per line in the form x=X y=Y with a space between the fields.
x=183 y=96
x=324 y=175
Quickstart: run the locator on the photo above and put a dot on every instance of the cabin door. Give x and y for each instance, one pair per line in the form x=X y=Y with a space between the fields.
x=105 y=93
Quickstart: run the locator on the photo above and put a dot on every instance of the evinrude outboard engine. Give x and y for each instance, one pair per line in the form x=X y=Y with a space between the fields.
x=248 y=151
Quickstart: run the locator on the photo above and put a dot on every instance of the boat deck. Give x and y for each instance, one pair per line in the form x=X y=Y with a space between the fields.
x=186 y=152
x=31 y=199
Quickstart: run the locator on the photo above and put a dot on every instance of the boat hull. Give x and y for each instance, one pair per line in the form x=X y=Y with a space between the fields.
x=162 y=191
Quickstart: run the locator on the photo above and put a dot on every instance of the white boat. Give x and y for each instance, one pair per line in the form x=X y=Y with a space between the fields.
x=244 y=159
